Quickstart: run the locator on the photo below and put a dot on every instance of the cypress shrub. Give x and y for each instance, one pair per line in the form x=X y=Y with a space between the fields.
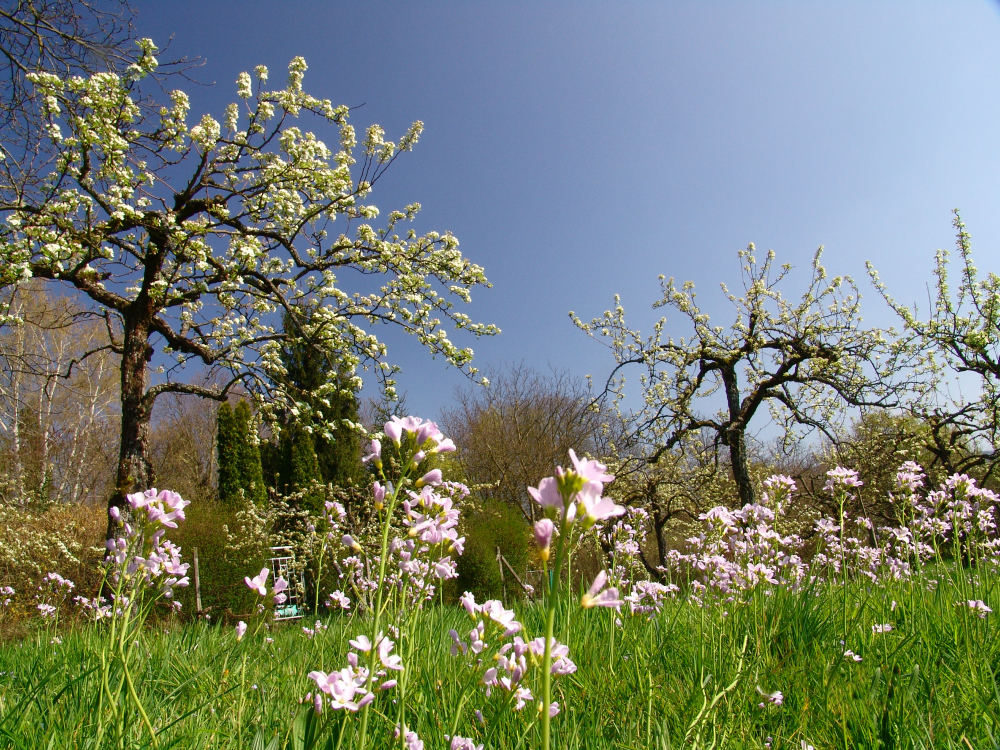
x=251 y=474
x=228 y=451
x=241 y=478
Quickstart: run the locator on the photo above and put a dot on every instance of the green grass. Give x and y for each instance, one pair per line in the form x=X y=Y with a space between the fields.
x=688 y=677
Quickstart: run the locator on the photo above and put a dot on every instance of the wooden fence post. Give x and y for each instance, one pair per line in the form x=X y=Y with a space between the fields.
x=197 y=585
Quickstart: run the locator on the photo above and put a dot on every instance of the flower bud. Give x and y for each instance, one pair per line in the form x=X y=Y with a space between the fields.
x=432 y=477
x=543 y=537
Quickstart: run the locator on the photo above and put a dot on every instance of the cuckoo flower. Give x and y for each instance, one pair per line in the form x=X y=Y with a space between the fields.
x=544 y=529
x=259 y=582
x=598 y=596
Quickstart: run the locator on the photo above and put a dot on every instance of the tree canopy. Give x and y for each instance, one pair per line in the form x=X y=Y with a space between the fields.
x=802 y=360
x=191 y=238
x=960 y=336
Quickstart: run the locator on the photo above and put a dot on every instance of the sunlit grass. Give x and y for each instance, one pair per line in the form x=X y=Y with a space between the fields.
x=690 y=676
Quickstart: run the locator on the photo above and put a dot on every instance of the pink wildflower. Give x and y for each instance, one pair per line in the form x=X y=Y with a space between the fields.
x=775 y=698
x=374 y=452
x=463 y=743
x=432 y=477
x=594 y=507
x=589 y=469
x=841 y=478
x=598 y=596
x=547 y=493
x=259 y=582
x=978 y=606
x=280 y=585
x=543 y=536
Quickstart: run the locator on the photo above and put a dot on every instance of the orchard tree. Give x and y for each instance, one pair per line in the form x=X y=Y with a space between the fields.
x=960 y=336
x=192 y=239
x=800 y=360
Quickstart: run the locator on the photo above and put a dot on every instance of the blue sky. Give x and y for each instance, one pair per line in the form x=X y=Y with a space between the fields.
x=581 y=149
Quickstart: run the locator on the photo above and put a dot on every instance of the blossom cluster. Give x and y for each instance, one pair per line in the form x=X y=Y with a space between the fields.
x=349 y=688
x=504 y=660
x=628 y=572
x=140 y=557
x=740 y=549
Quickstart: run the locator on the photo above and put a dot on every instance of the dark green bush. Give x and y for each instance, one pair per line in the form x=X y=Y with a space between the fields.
x=223 y=592
x=487 y=528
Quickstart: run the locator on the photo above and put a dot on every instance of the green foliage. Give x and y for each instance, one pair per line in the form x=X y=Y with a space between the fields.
x=223 y=593
x=302 y=466
x=487 y=528
x=327 y=404
x=241 y=477
x=251 y=473
x=292 y=469
x=227 y=449
x=319 y=442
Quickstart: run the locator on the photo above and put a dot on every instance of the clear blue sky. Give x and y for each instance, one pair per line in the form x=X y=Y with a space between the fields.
x=579 y=149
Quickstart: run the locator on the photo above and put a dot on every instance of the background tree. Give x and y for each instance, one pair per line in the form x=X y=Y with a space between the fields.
x=803 y=361
x=960 y=337
x=57 y=413
x=517 y=429
x=183 y=447
x=188 y=239
x=241 y=478
x=326 y=412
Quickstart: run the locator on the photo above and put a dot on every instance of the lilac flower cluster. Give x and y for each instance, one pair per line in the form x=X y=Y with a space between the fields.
x=627 y=572
x=505 y=661
x=140 y=559
x=349 y=688
x=418 y=527
x=739 y=550
x=52 y=592
x=258 y=584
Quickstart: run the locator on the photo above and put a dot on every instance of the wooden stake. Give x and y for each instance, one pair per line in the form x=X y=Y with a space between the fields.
x=197 y=584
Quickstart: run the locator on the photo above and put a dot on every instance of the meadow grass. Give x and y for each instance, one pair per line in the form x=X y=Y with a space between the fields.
x=692 y=676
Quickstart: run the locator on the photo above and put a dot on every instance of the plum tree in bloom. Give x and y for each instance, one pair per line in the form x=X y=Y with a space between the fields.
x=803 y=360
x=192 y=238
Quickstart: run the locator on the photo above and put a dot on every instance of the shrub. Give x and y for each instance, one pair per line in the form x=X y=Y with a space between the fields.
x=486 y=528
x=220 y=571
